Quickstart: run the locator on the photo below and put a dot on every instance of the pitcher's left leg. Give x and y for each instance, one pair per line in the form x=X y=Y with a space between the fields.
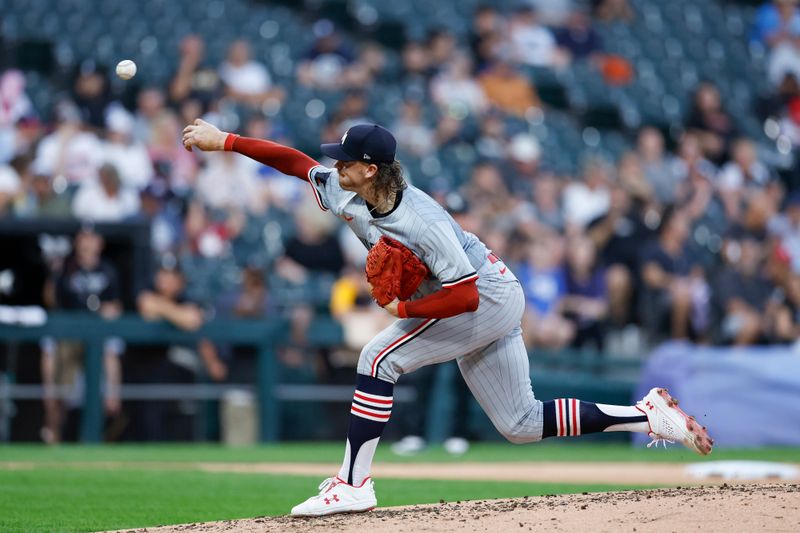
x=500 y=379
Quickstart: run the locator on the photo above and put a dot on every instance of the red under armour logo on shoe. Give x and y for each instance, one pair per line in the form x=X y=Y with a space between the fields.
x=334 y=498
x=649 y=405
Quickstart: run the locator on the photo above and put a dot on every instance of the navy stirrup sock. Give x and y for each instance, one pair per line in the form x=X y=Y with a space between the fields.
x=371 y=408
x=567 y=417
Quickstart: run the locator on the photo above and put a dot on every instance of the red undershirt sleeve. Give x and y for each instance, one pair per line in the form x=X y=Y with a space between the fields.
x=282 y=158
x=443 y=303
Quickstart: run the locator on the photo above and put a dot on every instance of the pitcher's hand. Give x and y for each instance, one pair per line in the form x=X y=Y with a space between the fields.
x=205 y=136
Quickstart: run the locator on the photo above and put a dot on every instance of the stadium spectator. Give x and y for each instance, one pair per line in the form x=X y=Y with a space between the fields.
x=783 y=309
x=533 y=43
x=327 y=64
x=618 y=235
x=631 y=176
x=455 y=91
x=656 y=164
x=416 y=70
x=743 y=175
x=246 y=81
x=91 y=94
x=578 y=38
x=69 y=151
x=777 y=27
x=689 y=163
x=544 y=283
x=87 y=282
x=166 y=301
x=586 y=300
x=149 y=107
x=487 y=23
x=208 y=234
x=507 y=89
x=412 y=133
x=165 y=222
x=171 y=162
x=547 y=201
x=105 y=199
x=784 y=228
x=351 y=111
x=742 y=291
x=41 y=197
x=370 y=67
x=314 y=249
x=442 y=48
x=670 y=280
x=194 y=78
x=487 y=194
x=523 y=155
x=491 y=142
x=14 y=106
x=588 y=199
x=227 y=182
x=122 y=151
x=352 y=305
x=712 y=124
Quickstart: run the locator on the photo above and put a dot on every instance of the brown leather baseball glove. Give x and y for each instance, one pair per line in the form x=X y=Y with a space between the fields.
x=393 y=271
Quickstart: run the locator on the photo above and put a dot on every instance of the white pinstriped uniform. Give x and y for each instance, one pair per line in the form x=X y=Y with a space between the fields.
x=487 y=343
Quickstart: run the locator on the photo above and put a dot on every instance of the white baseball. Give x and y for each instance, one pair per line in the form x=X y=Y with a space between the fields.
x=126 y=69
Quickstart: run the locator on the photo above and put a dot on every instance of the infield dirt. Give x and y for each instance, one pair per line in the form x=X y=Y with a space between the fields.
x=720 y=508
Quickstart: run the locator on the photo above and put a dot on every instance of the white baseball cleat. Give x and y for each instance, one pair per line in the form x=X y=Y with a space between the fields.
x=336 y=496
x=669 y=423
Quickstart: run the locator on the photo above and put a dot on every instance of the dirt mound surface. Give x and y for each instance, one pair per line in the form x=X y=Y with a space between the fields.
x=722 y=508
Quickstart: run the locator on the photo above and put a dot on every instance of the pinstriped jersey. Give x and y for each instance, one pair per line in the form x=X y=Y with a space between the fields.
x=453 y=255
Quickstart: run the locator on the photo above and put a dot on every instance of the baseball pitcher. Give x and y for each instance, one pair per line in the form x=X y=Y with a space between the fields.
x=453 y=298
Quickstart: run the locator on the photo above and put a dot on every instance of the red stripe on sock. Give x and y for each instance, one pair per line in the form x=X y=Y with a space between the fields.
x=575 y=417
x=357 y=410
x=364 y=398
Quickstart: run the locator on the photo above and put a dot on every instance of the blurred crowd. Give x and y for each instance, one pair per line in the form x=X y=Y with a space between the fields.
x=688 y=235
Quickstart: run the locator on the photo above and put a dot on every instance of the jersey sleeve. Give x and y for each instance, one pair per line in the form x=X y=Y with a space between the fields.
x=445 y=256
x=327 y=192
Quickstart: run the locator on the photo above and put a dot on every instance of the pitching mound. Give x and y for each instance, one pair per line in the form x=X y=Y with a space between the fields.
x=722 y=508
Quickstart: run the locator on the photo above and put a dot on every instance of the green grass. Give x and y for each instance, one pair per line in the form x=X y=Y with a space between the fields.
x=332 y=453
x=42 y=500
x=65 y=492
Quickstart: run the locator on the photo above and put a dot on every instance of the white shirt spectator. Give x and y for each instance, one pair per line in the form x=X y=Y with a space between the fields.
x=228 y=181
x=75 y=154
x=732 y=176
x=250 y=78
x=533 y=44
x=92 y=203
x=130 y=157
x=583 y=204
x=456 y=86
x=14 y=103
x=9 y=180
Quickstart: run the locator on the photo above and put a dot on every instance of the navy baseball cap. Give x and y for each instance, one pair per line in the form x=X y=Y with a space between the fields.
x=364 y=142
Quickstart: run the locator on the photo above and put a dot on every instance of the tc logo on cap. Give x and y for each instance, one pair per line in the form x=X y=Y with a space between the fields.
x=363 y=142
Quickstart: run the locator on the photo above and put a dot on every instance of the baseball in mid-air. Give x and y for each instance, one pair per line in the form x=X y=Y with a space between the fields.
x=126 y=69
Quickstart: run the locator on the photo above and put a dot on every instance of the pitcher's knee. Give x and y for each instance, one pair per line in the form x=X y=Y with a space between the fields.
x=521 y=434
x=525 y=428
x=382 y=369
